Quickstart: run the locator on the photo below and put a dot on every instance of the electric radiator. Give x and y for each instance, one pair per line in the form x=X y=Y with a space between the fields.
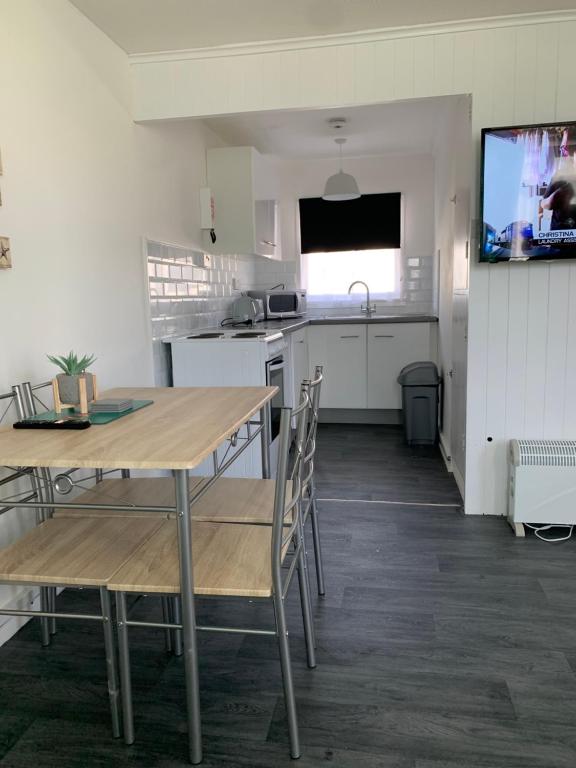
x=542 y=482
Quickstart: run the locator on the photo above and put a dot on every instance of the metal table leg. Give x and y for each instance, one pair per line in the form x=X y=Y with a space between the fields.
x=113 y=683
x=188 y=617
x=124 y=660
x=265 y=441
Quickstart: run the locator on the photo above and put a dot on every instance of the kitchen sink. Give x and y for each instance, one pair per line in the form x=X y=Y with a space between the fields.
x=206 y=336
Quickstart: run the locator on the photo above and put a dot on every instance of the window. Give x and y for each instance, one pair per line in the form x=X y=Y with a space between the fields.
x=353 y=240
x=328 y=274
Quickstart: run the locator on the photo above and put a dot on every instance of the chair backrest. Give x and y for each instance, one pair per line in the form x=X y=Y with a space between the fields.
x=27 y=400
x=26 y=406
x=288 y=489
x=12 y=400
x=313 y=388
x=7 y=401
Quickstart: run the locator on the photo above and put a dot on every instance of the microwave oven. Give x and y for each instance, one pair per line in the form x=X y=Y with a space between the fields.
x=279 y=305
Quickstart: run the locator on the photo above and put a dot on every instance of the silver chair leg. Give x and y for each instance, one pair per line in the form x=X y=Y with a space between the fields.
x=113 y=686
x=289 y=698
x=306 y=611
x=52 y=604
x=305 y=576
x=166 y=619
x=177 y=619
x=317 y=547
x=44 y=620
x=125 y=676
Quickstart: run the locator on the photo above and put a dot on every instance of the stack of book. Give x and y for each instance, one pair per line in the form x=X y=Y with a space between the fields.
x=111 y=405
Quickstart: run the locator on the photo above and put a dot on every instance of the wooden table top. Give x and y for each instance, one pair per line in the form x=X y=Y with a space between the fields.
x=179 y=430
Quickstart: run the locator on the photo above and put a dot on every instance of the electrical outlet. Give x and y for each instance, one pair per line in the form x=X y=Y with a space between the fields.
x=207 y=260
x=5 y=253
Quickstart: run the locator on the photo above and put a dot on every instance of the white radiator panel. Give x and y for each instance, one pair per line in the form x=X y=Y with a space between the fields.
x=542 y=482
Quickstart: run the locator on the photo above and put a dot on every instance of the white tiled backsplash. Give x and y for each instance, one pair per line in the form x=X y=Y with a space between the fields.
x=189 y=289
x=270 y=273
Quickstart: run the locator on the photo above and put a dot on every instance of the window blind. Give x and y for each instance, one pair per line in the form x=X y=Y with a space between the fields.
x=367 y=223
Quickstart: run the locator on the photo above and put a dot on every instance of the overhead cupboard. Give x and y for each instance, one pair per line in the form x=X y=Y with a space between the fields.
x=244 y=187
x=362 y=361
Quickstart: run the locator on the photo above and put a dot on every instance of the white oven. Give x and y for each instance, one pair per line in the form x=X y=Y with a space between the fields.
x=236 y=358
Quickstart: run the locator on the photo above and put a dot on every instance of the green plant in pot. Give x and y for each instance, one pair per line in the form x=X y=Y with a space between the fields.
x=73 y=369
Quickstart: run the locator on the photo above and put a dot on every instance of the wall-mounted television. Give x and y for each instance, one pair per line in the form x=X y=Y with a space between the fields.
x=528 y=195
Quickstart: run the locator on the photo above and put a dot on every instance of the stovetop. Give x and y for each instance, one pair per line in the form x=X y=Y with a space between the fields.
x=235 y=334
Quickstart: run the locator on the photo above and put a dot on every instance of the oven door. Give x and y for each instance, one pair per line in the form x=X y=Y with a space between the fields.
x=276 y=377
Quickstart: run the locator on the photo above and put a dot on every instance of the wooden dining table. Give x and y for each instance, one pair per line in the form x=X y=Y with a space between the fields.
x=180 y=429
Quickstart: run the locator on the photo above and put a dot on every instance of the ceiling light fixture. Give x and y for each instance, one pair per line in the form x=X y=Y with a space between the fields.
x=341 y=186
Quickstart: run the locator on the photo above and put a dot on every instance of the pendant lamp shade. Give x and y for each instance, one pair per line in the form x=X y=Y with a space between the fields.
x=341 y=186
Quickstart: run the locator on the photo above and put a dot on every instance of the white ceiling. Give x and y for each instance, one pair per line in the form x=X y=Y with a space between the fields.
x=380 y=129
x=143 y=26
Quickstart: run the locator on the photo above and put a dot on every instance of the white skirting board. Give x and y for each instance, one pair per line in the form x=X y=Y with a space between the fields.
x=445 y=455
x=459 y=482
x=359 y=416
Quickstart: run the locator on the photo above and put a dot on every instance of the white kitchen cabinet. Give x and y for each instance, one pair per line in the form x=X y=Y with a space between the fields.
x=391 y=346
x=300 y=366
x=244 y=187
x=266 y=226
x=341 y=349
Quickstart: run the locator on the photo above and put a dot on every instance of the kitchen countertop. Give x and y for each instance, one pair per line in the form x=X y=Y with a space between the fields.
x=295 y=323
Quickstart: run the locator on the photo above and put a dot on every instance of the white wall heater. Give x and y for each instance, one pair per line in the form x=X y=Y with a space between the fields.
x=542 y=483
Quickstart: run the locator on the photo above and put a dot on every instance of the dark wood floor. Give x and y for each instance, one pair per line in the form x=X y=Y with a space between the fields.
x=443 y=642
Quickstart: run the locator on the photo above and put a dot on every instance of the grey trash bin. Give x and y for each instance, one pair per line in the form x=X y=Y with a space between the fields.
x=420 y=383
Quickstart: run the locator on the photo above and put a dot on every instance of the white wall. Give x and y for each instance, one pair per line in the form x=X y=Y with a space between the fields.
x=453 y=157
x=82 y=184
x=522 y=357
x=412 y=175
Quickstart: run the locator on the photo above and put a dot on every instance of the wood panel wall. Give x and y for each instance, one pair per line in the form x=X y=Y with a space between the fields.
x=521 y=340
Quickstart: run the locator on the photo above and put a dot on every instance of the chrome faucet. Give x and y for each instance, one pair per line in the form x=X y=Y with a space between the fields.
x=369 y=308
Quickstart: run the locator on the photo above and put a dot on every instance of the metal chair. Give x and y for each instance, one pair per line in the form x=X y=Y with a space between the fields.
x=27 y=400
x=38 y=481
x=308 y=483
x=78 y=553
x=249 y=561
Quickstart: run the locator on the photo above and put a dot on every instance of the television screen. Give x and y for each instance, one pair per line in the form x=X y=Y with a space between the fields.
x=529 y=193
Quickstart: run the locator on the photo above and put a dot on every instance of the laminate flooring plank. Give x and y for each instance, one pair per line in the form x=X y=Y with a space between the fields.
x=424 y=736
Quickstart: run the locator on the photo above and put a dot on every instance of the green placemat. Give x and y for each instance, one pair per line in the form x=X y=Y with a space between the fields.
x=94 y=418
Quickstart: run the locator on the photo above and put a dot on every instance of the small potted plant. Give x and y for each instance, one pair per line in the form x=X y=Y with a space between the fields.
x=69 y=389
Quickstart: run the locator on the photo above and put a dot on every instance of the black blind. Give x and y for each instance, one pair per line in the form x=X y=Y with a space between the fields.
x=370 y=221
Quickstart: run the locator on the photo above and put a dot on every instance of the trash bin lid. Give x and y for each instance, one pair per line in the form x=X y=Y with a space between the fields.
x=419 y=374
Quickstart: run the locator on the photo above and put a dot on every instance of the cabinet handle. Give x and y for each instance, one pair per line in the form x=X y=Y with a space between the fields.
x=300 y=342
x=383 y=335
x=350 y=337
